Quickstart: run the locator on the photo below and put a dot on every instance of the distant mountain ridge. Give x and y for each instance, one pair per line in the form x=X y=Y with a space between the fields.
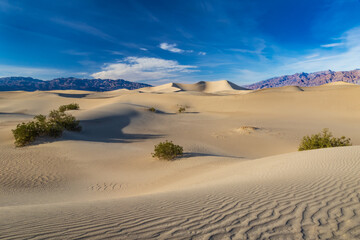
x=70 y=83
x=309 y=79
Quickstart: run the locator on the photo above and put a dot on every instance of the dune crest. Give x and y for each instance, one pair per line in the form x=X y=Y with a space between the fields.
x=340 y=83
x=202 y=86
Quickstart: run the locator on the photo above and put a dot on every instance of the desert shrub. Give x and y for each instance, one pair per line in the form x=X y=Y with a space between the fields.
x=51 y=126
x=71 y=106
x=181 y=109
x=167 y=150
x=64 y=120
x=25 y=133
x=324 y=139
x=40 y=118
x=152 y=109
x=53 y=130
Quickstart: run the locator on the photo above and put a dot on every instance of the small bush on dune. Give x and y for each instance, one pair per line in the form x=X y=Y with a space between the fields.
x=71 y=106
x=181 y=109
x=152 y=109
x=167 y=150
x=324 y=139
x=25 y=133
x=51 y=126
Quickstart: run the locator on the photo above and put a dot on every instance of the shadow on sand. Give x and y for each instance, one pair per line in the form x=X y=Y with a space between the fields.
x=67 y=95
x=105 y=129
x=196 y=154
x=109 y=130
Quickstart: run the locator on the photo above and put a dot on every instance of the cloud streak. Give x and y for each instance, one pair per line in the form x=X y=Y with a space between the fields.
x=328 y=57
x=143 y=69
x=347 y=59
x=331 y=45
x=85 y=28
x=45 y=73
x=171 y=47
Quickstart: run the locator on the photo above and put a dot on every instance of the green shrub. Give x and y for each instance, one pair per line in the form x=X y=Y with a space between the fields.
x=167 y=150
x=324 y=139
x=152 y=109
x=53 y=130
x=25 y=133
x=71 y=106
x=51 y=126
x=64 y=120
x=181 y=109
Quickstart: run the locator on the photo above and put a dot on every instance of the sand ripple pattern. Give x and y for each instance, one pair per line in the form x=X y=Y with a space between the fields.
x=31 y=169
x=308 y=195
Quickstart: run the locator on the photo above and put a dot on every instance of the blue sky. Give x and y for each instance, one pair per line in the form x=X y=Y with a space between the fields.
x=156 y=41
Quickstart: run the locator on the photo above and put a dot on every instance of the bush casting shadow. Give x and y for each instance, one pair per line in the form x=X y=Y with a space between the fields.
x=167 y=151
x=52 y=125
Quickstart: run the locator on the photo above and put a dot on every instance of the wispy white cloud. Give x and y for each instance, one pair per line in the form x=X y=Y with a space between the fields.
x=171 y=47
x=6 y=6
x=144 y=49
x=244 y=50
x=144 y=69
x=336 y=59
x=85 y=28
x=331 y=45
x=314 y=55
x=115 y=52
x=44 y=73
x=346 y=59
x=76 y=53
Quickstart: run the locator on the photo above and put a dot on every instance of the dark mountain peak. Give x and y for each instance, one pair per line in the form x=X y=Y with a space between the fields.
x=31 y=84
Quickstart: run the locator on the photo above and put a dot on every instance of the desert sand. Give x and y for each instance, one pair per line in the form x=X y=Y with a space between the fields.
x=241 y=176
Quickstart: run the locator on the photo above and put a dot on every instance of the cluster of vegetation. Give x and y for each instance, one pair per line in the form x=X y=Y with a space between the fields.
x=181 y=109
x=52 y=125
x=167 y=150
x=323 y=139
x=152 y=109
x=71 y=106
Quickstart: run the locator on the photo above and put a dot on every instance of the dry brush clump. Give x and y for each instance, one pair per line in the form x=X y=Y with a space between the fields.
x=71 y=106
x=323 y=139
x=167 y=150
x=181 y=109
x=52 y=125
x=152 y=109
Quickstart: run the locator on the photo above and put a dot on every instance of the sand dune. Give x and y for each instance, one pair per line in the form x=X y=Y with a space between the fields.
x=340 y=83
x=241 y=176
x=282 y=89
x=310 y=195
x=202 y=86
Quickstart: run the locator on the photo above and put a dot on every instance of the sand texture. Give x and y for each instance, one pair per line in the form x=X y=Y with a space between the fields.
x=241 y=176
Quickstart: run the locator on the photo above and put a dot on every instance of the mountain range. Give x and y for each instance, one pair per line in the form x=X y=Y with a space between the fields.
x=309 y=79
x=31 y=84
x=298 y=79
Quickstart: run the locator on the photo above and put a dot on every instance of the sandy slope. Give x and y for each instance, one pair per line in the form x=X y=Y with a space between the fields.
x=232 y=183
x=202 y=86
